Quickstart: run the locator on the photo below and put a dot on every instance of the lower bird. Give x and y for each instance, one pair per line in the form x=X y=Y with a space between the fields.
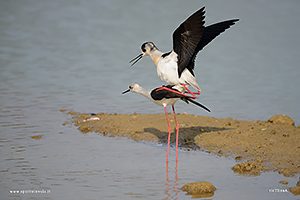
x=165 y=97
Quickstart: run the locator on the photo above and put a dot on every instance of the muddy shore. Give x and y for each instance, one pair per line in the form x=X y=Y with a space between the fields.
x=258 y=146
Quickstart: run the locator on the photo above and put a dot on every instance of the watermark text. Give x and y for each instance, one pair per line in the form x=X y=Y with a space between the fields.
x=278 y=190
x=40 y=191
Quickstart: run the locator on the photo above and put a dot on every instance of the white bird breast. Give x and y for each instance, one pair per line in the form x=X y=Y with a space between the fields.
x=167 y=69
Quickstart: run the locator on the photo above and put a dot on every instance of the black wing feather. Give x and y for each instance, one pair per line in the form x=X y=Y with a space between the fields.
x=186 y=38
x=192 y=36
x=210 y=33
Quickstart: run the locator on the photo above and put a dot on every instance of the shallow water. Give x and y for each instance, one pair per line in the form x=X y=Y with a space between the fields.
x=89 y=166
x=74 y=55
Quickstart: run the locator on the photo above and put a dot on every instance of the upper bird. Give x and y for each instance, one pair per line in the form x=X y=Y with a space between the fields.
x=177 y=66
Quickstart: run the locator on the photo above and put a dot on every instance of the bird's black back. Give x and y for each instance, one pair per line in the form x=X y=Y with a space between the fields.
x=160 y=93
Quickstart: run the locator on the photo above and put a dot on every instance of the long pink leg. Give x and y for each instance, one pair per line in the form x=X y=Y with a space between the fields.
x=192 y=93
x=168 y=147
x=196 y=93
x=177 y=132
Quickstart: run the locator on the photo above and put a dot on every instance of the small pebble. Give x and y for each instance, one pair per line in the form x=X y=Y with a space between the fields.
x=284 y=182
x=36 y=137
x=92 y=119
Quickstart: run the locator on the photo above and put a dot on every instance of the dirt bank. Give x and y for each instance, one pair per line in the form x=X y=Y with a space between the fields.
x=257 y=145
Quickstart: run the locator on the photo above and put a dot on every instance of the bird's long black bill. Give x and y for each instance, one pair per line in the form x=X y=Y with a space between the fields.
x=126 y=91
x=136 y=59
x=199 y=104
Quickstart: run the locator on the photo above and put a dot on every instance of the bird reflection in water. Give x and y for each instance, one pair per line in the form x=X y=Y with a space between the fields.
x=172 y=189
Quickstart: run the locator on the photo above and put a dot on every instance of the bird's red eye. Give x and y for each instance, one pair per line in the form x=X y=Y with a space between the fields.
x=144 y=50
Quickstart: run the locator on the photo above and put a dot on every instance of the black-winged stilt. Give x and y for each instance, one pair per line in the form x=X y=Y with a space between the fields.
x=165 y=97
x=176 y=67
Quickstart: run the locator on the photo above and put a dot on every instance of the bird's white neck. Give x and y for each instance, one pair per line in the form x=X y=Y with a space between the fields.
x=155 y=55
x=143 y=92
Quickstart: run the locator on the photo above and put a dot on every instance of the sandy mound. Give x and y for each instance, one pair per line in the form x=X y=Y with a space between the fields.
x=258 y=145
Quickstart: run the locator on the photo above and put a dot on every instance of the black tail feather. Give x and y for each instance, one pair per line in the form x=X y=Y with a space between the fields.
x=198 y=104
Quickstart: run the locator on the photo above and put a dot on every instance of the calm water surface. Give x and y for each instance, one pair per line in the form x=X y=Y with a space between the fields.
x=74 y=55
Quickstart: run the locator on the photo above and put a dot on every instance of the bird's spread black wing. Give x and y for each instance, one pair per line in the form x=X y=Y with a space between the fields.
x=210 y=33
x=186 y=38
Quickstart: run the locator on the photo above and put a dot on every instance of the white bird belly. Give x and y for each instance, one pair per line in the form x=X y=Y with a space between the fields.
x=167 y=70
x=166 y=102
x=188 y=79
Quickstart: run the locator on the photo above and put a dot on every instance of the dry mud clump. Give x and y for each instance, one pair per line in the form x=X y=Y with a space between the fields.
x=296 y=190
x=257 y=145
x=199 y=189
x=249 y=168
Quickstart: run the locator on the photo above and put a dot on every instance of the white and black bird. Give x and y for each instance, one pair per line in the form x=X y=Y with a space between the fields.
x=165 y=97
x=177 y=66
